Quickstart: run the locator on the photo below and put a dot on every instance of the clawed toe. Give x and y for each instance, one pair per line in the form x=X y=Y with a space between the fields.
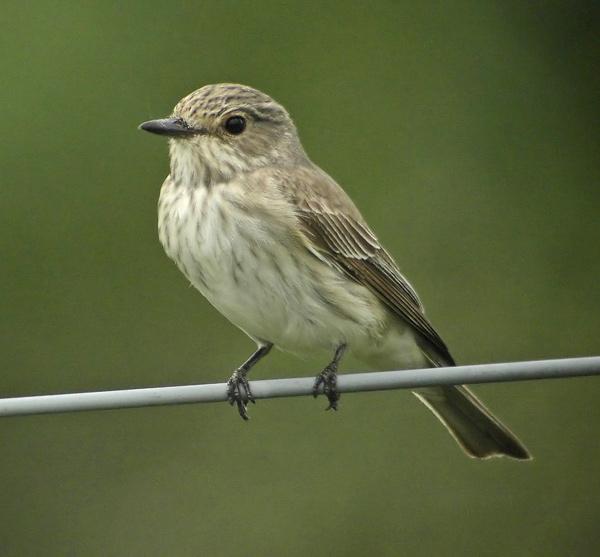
x=239 y=393
x=328 y=379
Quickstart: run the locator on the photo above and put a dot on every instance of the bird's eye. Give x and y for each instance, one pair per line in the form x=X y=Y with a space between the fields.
x=235 y=125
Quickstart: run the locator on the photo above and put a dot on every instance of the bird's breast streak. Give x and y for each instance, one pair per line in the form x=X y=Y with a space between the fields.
x=273 y=290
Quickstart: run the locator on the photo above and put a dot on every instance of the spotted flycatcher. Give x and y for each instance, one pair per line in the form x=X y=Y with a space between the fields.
x=278 y=247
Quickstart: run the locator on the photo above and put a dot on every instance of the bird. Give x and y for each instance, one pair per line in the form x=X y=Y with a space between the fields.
x=279 y=248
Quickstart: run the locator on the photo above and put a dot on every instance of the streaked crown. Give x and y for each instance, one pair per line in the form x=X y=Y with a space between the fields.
x=212 y=102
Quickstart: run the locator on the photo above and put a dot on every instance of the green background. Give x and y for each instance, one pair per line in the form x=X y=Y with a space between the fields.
x=467 y=132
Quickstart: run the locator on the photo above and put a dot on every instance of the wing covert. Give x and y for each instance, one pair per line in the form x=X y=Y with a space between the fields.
x=350 y=245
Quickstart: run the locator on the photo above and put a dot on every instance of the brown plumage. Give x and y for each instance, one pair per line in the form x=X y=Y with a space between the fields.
x=278 y=247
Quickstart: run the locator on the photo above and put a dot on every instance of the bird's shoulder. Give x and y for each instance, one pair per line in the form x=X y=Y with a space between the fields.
x=303 y=186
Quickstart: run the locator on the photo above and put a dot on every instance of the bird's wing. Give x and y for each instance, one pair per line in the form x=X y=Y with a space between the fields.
x=338 y=234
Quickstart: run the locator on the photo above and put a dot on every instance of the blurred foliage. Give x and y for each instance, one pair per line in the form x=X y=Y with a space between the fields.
x=467 y=133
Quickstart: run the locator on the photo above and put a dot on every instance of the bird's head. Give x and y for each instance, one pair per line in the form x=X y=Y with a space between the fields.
x=223 y=130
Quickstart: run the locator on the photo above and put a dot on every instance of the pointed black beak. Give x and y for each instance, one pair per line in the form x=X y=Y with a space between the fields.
x=171 y=127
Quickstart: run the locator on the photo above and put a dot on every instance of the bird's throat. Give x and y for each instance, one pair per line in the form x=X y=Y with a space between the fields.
x=203 y=164
x=188 y=170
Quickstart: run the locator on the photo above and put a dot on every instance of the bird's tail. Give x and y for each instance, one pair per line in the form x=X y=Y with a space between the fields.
x=475 y=428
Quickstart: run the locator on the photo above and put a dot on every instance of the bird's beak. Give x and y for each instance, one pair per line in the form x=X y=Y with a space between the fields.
x=171 y=127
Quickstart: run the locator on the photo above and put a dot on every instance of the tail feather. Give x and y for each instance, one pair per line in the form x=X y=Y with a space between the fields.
x=475 y=428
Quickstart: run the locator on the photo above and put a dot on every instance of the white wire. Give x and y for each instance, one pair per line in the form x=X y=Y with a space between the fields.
x=373 y=381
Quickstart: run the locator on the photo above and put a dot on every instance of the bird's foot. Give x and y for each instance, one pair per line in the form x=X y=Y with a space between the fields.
x=239 y=393
x=328 y=378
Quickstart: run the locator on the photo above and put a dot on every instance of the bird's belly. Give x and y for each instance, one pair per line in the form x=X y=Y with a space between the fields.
x=279 y=297
x=270 y=287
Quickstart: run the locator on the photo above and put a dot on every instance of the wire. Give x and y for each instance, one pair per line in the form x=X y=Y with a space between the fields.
x=273 y=388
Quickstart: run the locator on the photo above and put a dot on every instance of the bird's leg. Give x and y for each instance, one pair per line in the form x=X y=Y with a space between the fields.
x=238 y=388
x=328 y=378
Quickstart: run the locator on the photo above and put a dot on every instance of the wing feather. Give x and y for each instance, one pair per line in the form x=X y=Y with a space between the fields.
x=347 y=243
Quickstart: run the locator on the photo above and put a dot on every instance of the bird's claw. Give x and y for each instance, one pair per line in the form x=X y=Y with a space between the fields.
x=328 y=378
x=239 y=393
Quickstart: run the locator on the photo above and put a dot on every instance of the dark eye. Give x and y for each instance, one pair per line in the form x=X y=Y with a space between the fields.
x=235 y=125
